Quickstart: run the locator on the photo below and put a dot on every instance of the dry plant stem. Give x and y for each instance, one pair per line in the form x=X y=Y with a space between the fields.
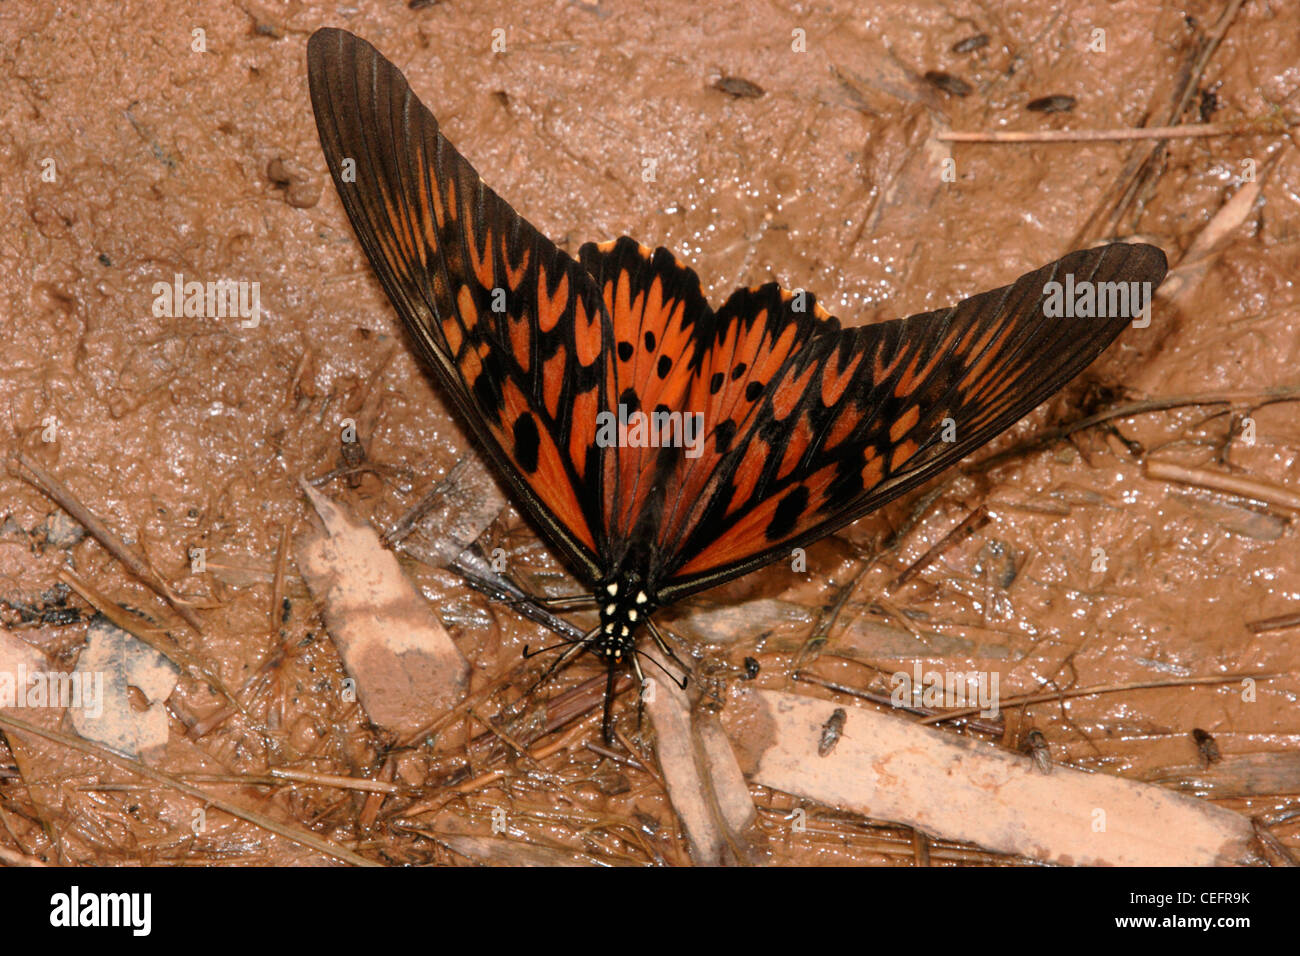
x=1254 y=399
x=1100 y=689
x=277 y=585
x=336 y=780
x=65 y=499
x=296 y=834
x=1193 y=131
x=1279 y=623
x=968 y=525
x=504 y=735
x=1233 y=484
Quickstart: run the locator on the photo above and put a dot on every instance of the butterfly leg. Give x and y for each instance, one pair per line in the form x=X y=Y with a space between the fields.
x=607 y=725
x=568 y=602
x=640 y=690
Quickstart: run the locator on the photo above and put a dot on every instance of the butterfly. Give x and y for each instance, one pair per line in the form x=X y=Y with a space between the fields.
x=770 y=425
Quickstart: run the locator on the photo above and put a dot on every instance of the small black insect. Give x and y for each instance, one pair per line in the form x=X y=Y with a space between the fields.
x=739 y=88
x=1036 y=746
x=1208 y=747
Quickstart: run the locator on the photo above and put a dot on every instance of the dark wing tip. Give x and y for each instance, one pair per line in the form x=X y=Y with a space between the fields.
x=1140 y=261
x=327 y=40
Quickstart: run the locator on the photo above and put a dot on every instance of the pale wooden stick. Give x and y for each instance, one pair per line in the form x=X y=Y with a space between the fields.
x=1233 y=484
x=1189 y=131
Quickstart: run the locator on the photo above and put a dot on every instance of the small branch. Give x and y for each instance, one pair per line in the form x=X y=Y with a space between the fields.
x=1100 y=689
x=1233 y=484
x=1187 y=131
x=336 y=780
x=1274 y=623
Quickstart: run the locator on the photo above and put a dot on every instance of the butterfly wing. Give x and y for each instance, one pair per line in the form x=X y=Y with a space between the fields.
x=514 y=328
x=810 y=425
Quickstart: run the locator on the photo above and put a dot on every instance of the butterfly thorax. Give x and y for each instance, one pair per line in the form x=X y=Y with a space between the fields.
x=624 y=606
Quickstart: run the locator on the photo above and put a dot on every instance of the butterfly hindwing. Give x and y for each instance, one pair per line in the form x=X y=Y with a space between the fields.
x=513 y=327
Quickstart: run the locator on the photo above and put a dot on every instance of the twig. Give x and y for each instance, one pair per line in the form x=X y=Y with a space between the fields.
x=65 y=499
x=1138 y=168
x=1100 y=689
x=297 y=835
x=1259 y=398
x=1233 y=484
x=1187 y=131
x=336 y=780
x=1279 y=623
x=967 y=526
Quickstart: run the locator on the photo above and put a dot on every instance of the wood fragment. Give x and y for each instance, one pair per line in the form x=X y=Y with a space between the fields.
x=704 y=783
x=890 y=768
x=405 y=665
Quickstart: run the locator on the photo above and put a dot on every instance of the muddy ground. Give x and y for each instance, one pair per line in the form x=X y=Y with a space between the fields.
x=127 y=157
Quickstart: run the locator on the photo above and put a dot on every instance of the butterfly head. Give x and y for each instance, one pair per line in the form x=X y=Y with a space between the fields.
x=624 y=606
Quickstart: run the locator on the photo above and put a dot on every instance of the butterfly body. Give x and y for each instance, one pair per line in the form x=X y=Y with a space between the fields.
x=662 y=446
x=625 y=608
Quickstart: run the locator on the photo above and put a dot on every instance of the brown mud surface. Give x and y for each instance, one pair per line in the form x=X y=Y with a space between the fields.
x=127 y=158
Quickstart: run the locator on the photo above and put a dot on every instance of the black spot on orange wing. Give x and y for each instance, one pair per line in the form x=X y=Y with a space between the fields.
x=526 y=442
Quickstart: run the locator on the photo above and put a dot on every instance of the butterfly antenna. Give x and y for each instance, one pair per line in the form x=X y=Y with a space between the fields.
x=660 y=643
x=530 y=653
x=575 y=648
x=679 y=681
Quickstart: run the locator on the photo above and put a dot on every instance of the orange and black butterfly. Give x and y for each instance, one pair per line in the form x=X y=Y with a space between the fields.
x=782 y=425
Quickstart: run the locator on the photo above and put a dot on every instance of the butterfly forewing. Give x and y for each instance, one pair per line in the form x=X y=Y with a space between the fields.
x=513 y=327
